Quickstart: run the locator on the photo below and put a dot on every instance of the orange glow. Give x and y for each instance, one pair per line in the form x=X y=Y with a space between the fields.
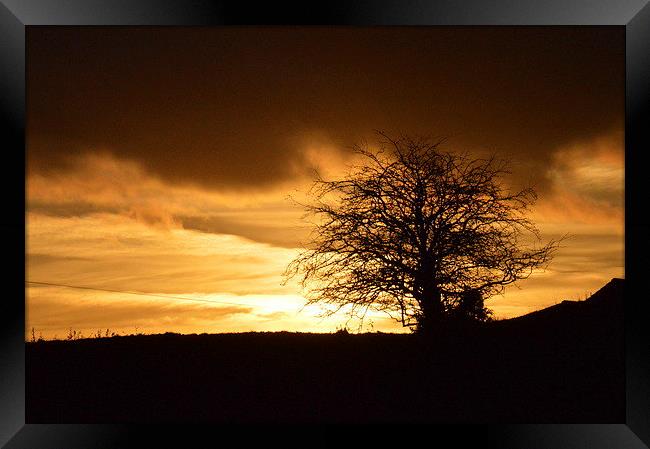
x=134 y=240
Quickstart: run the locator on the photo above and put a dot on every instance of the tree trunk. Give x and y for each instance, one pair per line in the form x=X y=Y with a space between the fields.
x=432 y=312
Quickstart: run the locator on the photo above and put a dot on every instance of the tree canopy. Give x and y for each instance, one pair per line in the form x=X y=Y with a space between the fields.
x=420 y=233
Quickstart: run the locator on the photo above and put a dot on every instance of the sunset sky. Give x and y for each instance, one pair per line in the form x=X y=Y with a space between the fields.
x=160 y=160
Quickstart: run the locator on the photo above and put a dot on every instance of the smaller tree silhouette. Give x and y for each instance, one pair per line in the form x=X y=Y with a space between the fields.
x=422 y=234
x=468 y=307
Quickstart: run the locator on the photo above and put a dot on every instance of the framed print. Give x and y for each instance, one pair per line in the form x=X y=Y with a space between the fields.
x=389 y=220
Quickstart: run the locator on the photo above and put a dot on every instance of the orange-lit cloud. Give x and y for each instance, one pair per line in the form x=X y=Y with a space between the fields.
x=102 y=183
x=586 y=183
x=118 y=252
x=110 y=224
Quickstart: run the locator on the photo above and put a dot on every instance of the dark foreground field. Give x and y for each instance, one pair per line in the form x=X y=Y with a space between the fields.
x=561 y=365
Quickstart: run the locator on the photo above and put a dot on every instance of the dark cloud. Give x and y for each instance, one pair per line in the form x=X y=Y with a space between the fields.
x=235 y=107
x=69 y=208
x=279 y=235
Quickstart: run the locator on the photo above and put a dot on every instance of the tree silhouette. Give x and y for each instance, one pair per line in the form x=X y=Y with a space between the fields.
x=419 y=233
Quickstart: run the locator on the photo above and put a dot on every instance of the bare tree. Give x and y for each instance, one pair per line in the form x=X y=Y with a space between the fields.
x=419 y=233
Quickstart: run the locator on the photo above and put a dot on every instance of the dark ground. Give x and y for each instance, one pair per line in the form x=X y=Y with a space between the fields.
x=564 y=364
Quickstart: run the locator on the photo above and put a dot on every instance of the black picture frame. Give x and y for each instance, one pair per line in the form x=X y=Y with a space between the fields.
x=16 y=15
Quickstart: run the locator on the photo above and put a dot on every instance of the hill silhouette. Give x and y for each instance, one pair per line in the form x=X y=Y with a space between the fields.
x=562 y=364
x=607 y=300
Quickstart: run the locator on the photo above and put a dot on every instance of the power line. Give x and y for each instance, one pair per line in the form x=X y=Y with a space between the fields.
x=51 y=284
